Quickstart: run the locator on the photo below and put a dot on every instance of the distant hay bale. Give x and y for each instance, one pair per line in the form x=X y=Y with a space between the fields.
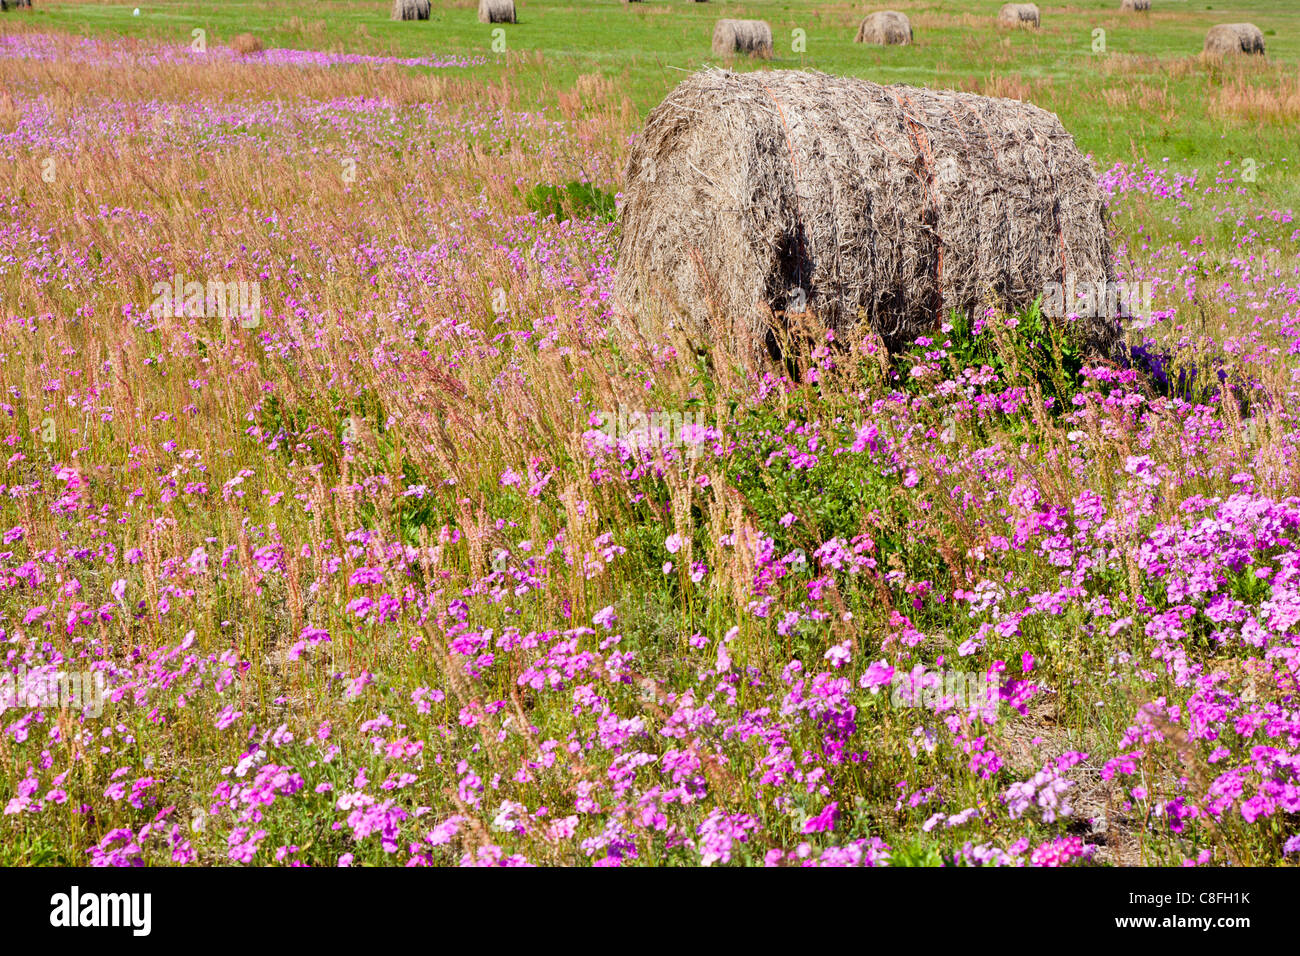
x=1226 y=38
x=750 y=197
x=753 y=37
x=1019 y=15
x=496 y=11
x=884 y=28
x=1135 y=6
x=246 y=43
x=410 y=9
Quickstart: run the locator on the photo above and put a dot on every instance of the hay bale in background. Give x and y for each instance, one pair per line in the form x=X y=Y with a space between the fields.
x=246 y=43
x=779 y=191
x=1227 y=38
x=1134 y=6
x=885 y=27
x=1019 y=15
x=410 y=9
x=496 y=11
x=753 y=37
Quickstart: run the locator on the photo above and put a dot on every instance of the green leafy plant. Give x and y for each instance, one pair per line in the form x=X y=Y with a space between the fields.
x=573 y=200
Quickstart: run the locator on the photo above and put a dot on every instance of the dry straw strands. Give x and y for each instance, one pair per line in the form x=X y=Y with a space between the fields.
x=753 y=37
x=1134 y=6
x=755 y=196
x=1019 y=15
x=1227 y=38
x=496 y=11
x=885 y=27
x=410 y=9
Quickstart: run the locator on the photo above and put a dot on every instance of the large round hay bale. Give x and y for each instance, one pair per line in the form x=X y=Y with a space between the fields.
x=884 y=28
x=1227 y=38
x=882 y=207
x=1134 y=6
x=496 y=11
x=1019 y=15
x=410 y=9
x=753 y=37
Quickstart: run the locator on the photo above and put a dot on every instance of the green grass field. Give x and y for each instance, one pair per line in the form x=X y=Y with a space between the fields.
x=644 y=46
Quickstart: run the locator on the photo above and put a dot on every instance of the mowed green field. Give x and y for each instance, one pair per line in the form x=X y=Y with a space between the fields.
x=1145 y=97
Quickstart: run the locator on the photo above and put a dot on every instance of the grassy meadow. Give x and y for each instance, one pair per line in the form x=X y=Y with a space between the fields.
x=1141 y=99
x=392 y=566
